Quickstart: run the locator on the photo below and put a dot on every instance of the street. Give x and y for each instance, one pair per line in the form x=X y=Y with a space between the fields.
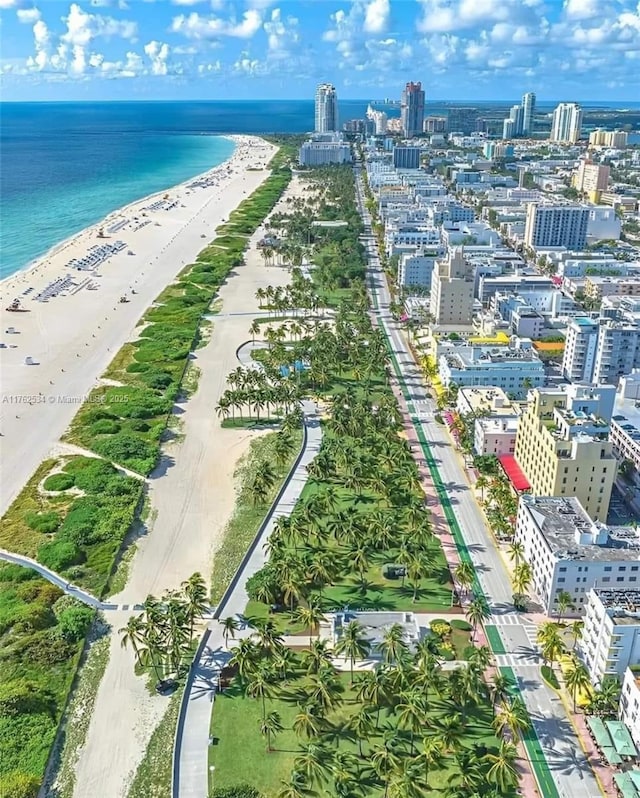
x=512 y=635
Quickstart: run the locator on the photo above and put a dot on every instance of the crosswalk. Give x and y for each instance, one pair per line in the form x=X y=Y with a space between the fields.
x=528 y=655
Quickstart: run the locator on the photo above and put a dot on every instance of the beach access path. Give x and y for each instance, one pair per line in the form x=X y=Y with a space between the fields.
x=73 y=337
x=192 y=496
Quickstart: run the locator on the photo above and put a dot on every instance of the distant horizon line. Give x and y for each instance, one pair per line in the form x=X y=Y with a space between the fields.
x=311 y=100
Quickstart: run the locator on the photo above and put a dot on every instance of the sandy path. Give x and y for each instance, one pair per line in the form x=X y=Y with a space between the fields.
x=192 y=492
x=73 y=337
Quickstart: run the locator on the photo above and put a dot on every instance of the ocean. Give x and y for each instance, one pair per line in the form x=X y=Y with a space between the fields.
x=65 y=166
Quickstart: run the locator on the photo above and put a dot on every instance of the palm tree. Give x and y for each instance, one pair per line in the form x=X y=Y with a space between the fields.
x=464 y=575
x=383 y=761
x=550 y=641
x=230 y=626
x=522 y=577
x=306 y=722
x=310 y=617
x=503 y=772
x=325 y=689
x=564 y=602
x=345 y=775
x=372 y=690
x=481 y=658
x=296 y=787
x=450 y=731
x=412 y=712
x=362 y=727
x=133 y=634
x=477 y=612
x=577 y=679
x=352 y=644
x=431 y=756
x=481 y=483
x=270 y=727
x=312 y=763
x=261 y=686
x=499 y=688
x=516 y=552
x=577 y=628
x=318 y=657
x=195 y=592
x=254 y=329
x=513 y=718
x=392 y=646
x=245 y=658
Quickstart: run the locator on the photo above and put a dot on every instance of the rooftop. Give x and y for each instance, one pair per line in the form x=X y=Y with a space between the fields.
x=485 y=399
x=623 y=605
x=375 y=624
x=572 y=535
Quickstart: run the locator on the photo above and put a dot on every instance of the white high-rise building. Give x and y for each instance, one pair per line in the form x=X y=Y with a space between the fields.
x=326 y=108
x=567 y=123
x=556 y=226
x=528 y=110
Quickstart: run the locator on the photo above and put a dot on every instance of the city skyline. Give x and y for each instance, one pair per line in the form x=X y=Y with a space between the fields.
x=219 y=49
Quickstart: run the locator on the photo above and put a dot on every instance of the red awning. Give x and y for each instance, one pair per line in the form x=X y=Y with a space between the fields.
x=514 y=472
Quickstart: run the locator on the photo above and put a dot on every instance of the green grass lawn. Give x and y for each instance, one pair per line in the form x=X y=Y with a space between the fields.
x=239 y=751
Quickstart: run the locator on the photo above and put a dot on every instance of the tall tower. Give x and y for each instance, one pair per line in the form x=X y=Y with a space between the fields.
x=567 y=123
x=528 y=110
x=412 y=109
x=326 y=108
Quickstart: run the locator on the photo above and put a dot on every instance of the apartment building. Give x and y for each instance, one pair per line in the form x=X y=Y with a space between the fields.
x=538 y=291
x=513 y=369
x=562 y=446
x=556 y=226
x=591 y=177
x=406 y=157
x=618 y=351
x=452 y=291
x=566 y=125
x=616 y=139
x=495 y=436
x=610 y=640
x=598 y=287
x=580 y=347
x=416 y=269
x=625 y=424
x=568 y=551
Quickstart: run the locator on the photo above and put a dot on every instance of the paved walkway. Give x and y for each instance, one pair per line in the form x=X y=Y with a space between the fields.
x=190 y=767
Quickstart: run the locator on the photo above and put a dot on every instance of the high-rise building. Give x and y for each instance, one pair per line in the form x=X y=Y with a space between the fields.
x=406 y=157
x=610 y=641
x=563 y=448
x=566 y=125
x=580 y=349
x=591 y=177
x=412 y=109
x=601 y=351
x=528 y=110
x=508 y=129
x=556 y=226
x=609 y=138
x=462 y=120
x=516 y=116
x=452 y=290
x=326 y=108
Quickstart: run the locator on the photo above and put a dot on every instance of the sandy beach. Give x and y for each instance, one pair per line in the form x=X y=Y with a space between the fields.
x=74 y=321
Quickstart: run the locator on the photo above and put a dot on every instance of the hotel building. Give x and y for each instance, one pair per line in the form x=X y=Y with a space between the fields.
x=568 y=551
x=562 y=445
x=611 y=636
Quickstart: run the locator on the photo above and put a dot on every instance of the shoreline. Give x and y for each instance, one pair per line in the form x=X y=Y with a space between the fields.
x=61 y=245
x=76 y=320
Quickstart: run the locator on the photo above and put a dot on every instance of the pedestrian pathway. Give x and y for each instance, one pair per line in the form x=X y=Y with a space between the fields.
x=190 y=755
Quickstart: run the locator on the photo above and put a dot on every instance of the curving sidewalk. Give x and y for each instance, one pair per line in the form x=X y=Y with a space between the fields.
x=56 y=579
x=191 y=748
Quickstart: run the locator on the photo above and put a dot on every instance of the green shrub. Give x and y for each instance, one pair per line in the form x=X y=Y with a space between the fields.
x=105 y=426
x=237 y=791
x=60 y=554
x=81 y=521
x=19 y=785
x=74 y=622
x=46 y=522
x=459 y=623
x=60 y=481
x=127 y=450
x=440 y=628
x=22 y=697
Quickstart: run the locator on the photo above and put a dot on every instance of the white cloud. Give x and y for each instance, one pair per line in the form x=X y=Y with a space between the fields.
x=196 y=26
x=282 y=34
x=158 y=54
x=8 y=3
x=376 y=16
x=28 y=15
x=582 y=9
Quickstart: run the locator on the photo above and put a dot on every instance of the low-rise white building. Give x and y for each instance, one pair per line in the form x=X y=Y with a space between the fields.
x=416 y=269
x=611 y=636
x=495 y=436
x=569 y=552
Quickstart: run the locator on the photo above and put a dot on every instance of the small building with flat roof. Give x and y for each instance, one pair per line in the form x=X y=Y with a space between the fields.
x=374 y=626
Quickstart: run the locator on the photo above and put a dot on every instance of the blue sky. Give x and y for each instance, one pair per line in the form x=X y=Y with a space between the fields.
x=244 y=49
